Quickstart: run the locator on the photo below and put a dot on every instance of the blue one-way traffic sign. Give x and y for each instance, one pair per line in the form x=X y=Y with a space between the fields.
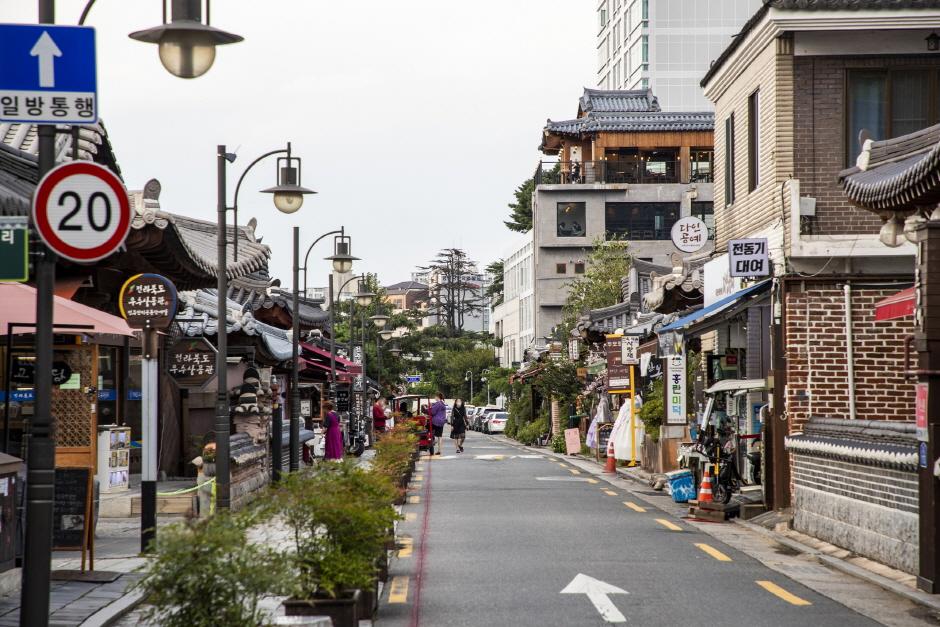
x=47 y=74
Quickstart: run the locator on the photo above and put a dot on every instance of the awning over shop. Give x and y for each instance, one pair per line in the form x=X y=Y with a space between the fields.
x=340 y=361
x=19 y=306
x=700 y=315
x=898 y=305
x=737 y=385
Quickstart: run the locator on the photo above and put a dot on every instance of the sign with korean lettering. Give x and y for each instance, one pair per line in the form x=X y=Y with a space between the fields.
x=629 y=350
x=148 y=301
x=920 y=411
x=749 y=257
x=689 y=234
x=191 y=362
x=359 y=380
x=14 y=249
x=23 y=371
x=342 y=398
x=675 y=391
x=48 y=74
x=618 y=373
x=574 y=350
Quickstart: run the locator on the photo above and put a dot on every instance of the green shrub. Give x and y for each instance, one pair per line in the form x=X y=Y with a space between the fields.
x=653 y=411
x=558 y=443
x=530 y=432
x=206 y=573
x=511 y=428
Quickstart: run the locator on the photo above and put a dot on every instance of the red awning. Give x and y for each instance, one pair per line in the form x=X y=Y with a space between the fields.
x=898 y=305
x=19 y=305
x=340 y=361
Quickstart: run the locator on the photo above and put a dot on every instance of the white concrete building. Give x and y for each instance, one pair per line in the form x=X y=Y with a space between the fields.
x=666 y=45
x=513 y=320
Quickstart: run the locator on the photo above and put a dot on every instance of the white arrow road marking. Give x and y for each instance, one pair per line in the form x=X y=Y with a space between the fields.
x=47 y=51
x=597 y=591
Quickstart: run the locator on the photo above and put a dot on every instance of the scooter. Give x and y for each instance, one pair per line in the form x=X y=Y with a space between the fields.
x=356 y=436
x=754 y=457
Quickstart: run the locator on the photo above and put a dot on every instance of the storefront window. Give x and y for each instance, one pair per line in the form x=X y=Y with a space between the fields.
x=705 y=211
x=702 y=159
x=640 y=220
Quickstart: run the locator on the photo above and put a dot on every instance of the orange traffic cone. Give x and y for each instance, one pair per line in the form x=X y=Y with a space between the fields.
x=611 y=466
x=705 y=492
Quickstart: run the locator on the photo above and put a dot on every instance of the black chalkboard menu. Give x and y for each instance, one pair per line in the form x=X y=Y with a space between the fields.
x=603 y=436
x=71 y=508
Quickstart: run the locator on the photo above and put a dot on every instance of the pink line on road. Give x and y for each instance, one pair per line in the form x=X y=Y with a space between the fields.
x=422 y=549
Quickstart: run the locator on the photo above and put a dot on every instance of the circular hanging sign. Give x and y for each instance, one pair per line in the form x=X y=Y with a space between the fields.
x=81 y=211
x=689 y=234
x=148 y=301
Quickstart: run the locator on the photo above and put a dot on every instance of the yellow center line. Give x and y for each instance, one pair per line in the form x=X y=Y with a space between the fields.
x=776 y=590
x=398 y=590
x=592 y=480
x=414 y=500
x=574 y=472
x=718 y=555
x=635 y=507
x=411 y=517
x=406 y=546
x=610 y=493
x=668 y=525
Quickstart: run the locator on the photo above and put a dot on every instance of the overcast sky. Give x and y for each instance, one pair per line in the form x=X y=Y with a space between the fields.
x=415 y=119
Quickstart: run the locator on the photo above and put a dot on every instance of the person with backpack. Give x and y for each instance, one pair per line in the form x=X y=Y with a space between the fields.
x=438 y=420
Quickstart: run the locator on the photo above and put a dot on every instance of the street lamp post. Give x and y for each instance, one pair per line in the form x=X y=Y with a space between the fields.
x=342 y=262
x=288 y=197
x=485 y=379
x=469 y=377
x=40 y=477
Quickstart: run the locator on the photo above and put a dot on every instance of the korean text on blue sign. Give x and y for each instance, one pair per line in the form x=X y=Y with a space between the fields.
x=48 y=74
x=749 y=257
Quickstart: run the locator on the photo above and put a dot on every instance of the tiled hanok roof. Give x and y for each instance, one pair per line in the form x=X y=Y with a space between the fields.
x=617 y=100
x=896 y=175
x=657 y=121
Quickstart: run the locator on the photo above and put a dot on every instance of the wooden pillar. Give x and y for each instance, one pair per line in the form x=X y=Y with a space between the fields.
x=776 y=460
x=685 y=164
x=927 y=343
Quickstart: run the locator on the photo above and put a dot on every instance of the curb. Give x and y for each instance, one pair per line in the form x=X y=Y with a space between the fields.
x=929 y=601
x=111 y=613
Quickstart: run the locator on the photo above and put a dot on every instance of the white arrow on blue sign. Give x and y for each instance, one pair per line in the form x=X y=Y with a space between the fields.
x=413 y=378
x=48 y=74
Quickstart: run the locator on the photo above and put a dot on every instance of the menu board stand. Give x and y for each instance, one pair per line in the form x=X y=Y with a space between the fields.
x=73 y=513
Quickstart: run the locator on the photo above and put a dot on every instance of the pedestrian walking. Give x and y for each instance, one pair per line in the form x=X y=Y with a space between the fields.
x=438 y=420
x=458 y=424
x=378 y=415
x=334 y=436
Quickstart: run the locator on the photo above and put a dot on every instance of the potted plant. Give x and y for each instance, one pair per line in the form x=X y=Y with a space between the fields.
x=205 y=572
x=339 y=516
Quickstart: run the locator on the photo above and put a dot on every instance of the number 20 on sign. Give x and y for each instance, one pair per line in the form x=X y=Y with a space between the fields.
x=81 y=211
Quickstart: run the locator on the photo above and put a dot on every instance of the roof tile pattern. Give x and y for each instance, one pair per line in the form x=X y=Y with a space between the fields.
x=897 y=174
x=608 y=100
x=633 y=123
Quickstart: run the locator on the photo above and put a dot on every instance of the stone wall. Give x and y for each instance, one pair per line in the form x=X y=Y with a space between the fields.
x=855 y=486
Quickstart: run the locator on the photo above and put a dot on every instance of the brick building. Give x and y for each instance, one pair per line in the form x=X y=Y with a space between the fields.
x=793 y=95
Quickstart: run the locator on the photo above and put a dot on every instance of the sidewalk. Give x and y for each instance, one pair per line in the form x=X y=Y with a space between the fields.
x=872 y=589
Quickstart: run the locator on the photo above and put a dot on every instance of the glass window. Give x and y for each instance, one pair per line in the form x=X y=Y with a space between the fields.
x=561 y=268
x=640 y=220
x=729 y=160
x=579 y=267
x=571 y=221
x=753 y=141
x=646 y=9
x=910 y=102
x=701 y=169
x=705 y=211
x=867 y=108
x=646 y=49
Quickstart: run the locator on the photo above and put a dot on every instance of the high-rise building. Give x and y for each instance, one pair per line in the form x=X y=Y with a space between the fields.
x=665 y=45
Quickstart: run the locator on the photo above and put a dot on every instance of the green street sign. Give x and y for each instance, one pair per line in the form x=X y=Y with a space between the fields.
x=14 y=249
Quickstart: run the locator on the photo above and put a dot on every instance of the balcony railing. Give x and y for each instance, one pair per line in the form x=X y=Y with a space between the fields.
x=614 y=172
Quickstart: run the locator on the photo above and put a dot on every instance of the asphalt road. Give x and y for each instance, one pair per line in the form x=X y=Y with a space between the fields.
x=497 y=533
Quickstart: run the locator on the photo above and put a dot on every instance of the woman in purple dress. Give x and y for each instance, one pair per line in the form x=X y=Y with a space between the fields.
x=334 y=436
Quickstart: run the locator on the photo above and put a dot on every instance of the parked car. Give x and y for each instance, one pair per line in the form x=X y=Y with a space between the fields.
x=481 y=417
x=474 y=419
x=495 y=422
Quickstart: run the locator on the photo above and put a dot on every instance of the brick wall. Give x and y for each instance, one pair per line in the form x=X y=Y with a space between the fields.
x=815 y=339
x=819 y=119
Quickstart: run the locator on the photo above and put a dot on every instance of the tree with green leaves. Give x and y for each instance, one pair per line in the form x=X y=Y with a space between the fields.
x=455 y=293
x=600 y=286
x=520 y=216
x=495 y=290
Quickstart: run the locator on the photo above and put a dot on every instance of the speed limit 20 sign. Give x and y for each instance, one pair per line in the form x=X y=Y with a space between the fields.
x=81 y=211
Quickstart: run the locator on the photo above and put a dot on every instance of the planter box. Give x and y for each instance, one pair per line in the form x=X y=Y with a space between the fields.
x=369 y=602
x=343 y=611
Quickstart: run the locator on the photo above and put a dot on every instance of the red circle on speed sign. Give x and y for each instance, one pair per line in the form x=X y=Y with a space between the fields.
x=81 y=211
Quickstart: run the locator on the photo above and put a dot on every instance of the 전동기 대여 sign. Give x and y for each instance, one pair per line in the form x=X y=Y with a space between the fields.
x=749 y=257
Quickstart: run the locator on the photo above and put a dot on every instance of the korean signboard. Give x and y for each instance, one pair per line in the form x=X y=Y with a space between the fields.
x=574 y=350
x=148 y=301
x=191 y=363
x=14 y=249
x=689 y=234
x=675 y=391
x=359 y=381
x=618 y=373
x=920 y=411
x=749 y=257
x=629 y=350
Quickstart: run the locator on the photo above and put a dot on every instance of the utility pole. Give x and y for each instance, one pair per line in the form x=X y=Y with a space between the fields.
x=222 y=414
